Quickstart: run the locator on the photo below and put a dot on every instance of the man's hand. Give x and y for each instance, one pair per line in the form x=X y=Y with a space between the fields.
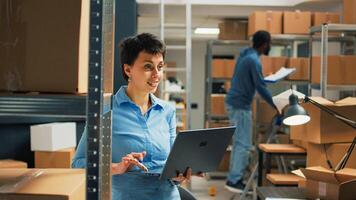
x=128 y=162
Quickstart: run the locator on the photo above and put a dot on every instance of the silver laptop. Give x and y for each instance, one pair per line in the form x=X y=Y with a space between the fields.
x=202 y=150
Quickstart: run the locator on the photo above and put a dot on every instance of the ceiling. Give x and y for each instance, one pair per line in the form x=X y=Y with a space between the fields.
x=208 y=13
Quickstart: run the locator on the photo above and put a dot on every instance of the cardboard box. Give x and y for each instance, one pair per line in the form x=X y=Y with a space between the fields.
x=222 y=68
x=279 y=62
x=171 y=65
x=225 y=162
x=302 y=68
x=233 y=30
x=349 y=11
x=270 y=21
x=326 y=184
x=223 y=123
x=49 y=184
x=296 y=22
x=262 y=112
x=56 y=159
x=271 y=65
x=53 y=136
x=301 y=143
x=324 y=128
x=217 y=104
x=348 y=70
x=47 y=51
x=318 y=154
x=267 y=66
x=335 y=71
x=9 y=163
x=319 y=18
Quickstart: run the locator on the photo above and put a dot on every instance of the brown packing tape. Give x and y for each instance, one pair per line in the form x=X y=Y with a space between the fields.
x=16 y=184
x=269 y=20
x=12 y=56
x=297 y=14
x=322 y=189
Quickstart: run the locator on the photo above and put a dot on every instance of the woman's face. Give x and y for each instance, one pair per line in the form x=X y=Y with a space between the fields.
x=146 y=72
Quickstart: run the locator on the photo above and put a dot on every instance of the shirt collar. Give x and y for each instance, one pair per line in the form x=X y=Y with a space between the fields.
x=123 y=98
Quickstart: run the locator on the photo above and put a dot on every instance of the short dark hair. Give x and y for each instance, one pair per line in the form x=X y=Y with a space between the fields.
x=260 y=38
x=131 y=47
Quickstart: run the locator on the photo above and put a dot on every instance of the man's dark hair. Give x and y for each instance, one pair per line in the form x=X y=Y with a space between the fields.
x=260 y=38
x=131 y=47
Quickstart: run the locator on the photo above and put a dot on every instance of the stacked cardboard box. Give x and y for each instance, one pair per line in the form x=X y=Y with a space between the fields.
x=349 y=11
x=296 y=22
x=327 y=184
x=46 y=50
x=319 y=18
x=270 y=21
x=9 y=163
x=53 y=144
x=233 y=30
x=271 y=65
x=340 y=70
x=217 y=104
x=49 y=184
x=302 y=68
x=222 y=68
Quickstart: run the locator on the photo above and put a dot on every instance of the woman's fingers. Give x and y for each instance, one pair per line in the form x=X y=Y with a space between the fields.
x=134 y=161
x=138 y=156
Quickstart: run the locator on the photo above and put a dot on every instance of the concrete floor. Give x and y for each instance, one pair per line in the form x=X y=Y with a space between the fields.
x=200 y=189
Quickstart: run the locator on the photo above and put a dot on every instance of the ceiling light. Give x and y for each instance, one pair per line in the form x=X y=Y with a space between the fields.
x=212 y=31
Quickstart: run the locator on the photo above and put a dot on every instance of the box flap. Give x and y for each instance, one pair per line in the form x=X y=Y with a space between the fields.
x=349 y=101
x=346 y=175
x=48 y=182
x=320 y=174
x=322 y=101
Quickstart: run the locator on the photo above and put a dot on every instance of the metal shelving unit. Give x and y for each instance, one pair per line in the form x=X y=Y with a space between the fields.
x=210 y=80
x=345 y=30
x=98 y=170
x=187 y=47
x=41 y=108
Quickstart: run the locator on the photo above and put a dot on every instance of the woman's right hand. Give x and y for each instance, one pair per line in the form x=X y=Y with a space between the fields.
x=128 y=162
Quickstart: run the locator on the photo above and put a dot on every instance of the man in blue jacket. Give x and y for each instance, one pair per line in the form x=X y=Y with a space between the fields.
x=247 y=79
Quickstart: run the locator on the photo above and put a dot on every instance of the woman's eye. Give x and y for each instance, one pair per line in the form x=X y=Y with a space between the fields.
x=148 y=66
x=160 y=67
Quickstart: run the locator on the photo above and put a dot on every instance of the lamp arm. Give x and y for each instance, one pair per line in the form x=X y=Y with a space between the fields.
x=331 y=112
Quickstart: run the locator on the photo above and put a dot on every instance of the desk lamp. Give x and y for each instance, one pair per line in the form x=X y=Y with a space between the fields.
x=296 y=115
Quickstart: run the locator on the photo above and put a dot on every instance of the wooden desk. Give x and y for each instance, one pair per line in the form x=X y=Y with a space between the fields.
x=280 y=192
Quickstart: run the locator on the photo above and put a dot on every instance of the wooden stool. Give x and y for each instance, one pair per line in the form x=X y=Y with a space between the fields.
x=275 y=149
x=284 y=179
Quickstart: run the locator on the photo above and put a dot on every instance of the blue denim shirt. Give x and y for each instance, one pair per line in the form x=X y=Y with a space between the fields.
x=247 y=79
x=153 y=132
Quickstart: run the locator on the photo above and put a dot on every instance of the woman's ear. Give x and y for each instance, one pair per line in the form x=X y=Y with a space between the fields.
x=127 y=70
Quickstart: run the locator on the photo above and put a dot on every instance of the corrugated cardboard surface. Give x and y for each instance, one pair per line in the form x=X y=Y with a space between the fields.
x=319 y=18
x=302 y=68
x=296 y=22
x=330 y=185
x=335 y=72
x=217 y=106
x=50 y=184
x=270 y=21
x=8 y=163
x=324 y=128
x=57 y=159
x=318 y=154
x=47 y=50
x=222 y=68
x=271 y=65
x=232 y=30
x=349 y=11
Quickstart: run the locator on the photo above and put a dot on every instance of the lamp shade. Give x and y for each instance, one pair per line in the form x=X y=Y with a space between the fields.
x=294 y=113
